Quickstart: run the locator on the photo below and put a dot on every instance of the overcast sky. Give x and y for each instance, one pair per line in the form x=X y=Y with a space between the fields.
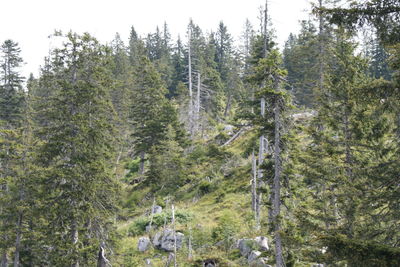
x=30 y=22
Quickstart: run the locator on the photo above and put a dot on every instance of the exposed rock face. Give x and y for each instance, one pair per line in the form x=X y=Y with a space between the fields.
x=156 y=209
x=165 y=240
x=262 y=242
x=143 y=244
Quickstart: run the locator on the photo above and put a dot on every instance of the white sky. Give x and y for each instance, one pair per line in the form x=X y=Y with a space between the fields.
x=30 y=22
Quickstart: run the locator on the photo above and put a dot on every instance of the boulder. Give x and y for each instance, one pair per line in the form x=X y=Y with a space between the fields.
x=165 y=240
x=157 y=239
x=318 y=265
x=143 y=244
x=253 y=256
x=261 y=262
x=156 y=209
x=209 y=263
x=262 y=242
x=245 y=246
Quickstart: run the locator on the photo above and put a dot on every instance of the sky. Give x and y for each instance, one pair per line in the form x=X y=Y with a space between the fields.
x=30 y=22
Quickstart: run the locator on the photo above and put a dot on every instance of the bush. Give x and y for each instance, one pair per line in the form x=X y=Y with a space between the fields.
x=138 y=227
x=226 y=230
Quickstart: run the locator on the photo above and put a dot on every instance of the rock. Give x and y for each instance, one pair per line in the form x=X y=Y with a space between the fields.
x=318 y=265
x=157 y=239
x=261 y=262
x=229 y=129
x=165 y=240
x=262 y=242
x=148 y=228
x=209 y=263
x=156 y=209
x=147 y=263
x=253 y=256
x=143 y=244
x=245 y=246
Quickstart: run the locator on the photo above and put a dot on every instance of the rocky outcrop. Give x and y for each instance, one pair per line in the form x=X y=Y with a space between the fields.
x=252 y=250
x=156 y=209
x=253 y=256
x=165 y=240
x=262 y=242
x=143 y=244
x=245 y=246
x=209 y=263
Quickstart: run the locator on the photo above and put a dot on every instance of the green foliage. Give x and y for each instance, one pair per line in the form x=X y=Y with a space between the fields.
x=226 y=230
x=139 y=225
x=361 y=252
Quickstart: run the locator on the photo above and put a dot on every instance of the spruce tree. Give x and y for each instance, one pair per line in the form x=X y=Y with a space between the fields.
x=75 y=154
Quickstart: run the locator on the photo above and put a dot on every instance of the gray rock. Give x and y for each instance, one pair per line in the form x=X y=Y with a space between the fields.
x=147 y=263
x=209 y=263
x=157 y=239
x=156 y=209
x=253 y=256
x=245 y=246
x=262 y=242
x=143 y=244
x=148 y=228
x=229 y=129
x=165 y=240
x=261 y=262
x=318 y=265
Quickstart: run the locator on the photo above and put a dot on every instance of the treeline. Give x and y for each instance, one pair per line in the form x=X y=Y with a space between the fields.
x=330 y=179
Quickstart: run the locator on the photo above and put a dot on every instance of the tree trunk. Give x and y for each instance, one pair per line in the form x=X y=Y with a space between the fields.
x=174 y=229
x=228 y=105
x=191 y=130
x=4 y=259
x=74 y=239
x=102 y=260
x=18 y=241
x=254 y=183
x=321 y=47
x=141 y=164
x=277 y=186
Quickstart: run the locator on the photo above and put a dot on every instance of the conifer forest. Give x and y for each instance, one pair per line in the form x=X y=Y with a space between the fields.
x=205 y=151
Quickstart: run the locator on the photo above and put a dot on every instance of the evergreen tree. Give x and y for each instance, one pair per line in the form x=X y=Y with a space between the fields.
x=76 y=152
x=151 y=113
x=11 y=93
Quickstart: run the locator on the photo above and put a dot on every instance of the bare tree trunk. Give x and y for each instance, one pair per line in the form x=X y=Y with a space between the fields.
x=321 y=47
x=174 y=229
x=191 y=130
x=152 y=213
x=142 y=161
x=190 y=250
x=102 y=260
x=254 y=183
x=75 y=239
x=197 y=104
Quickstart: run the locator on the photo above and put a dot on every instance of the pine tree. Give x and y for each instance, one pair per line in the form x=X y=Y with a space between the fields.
x=76 y=152
x=11 y=93
x=151 y=113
